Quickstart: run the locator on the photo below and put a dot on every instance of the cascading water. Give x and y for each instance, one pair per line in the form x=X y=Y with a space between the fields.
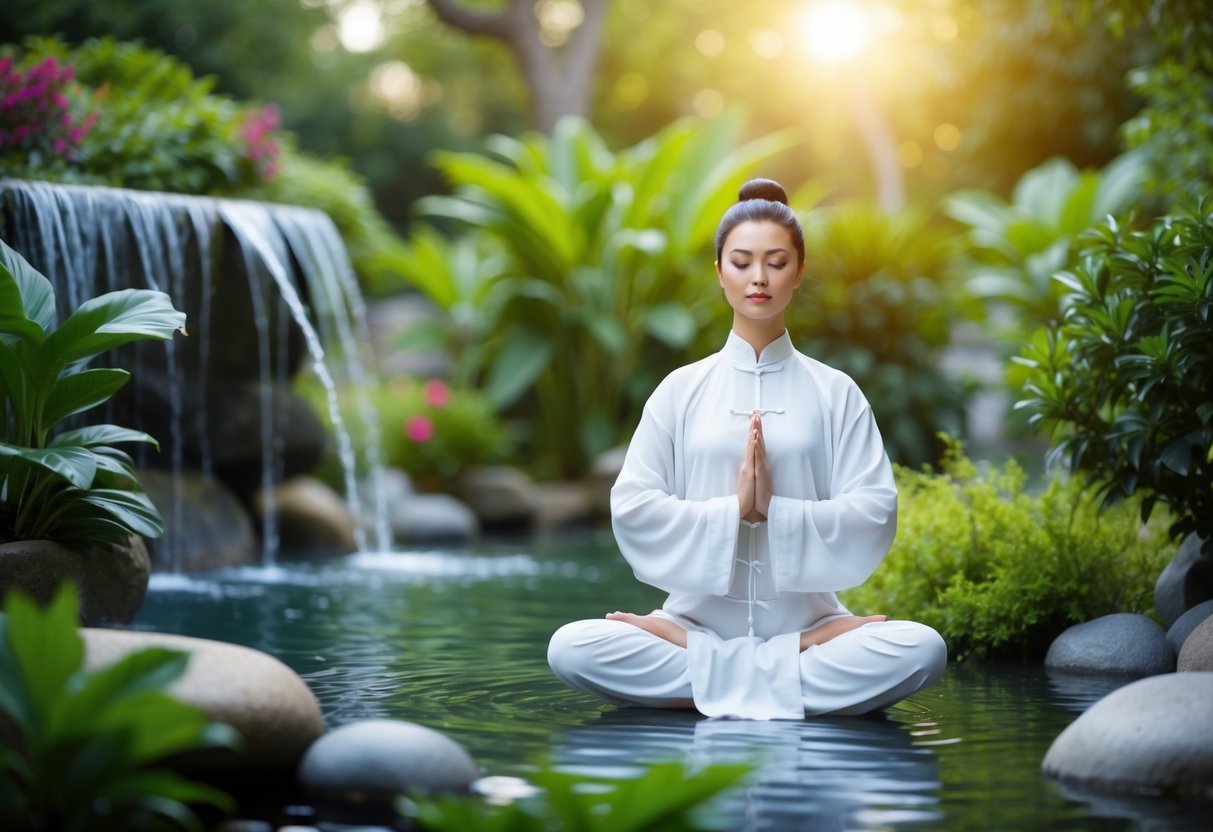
x=262 y=285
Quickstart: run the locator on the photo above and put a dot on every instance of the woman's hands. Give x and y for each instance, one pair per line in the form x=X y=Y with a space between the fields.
x=655 y=624
x=834 y=628
x=754 y=482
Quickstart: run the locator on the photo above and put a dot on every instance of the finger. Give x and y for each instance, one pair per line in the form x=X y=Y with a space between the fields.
x=621 y=616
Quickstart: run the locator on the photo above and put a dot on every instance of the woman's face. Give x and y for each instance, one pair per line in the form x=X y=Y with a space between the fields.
x=758 y=270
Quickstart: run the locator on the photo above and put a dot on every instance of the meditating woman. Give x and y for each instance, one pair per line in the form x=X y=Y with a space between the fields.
x=754 y=488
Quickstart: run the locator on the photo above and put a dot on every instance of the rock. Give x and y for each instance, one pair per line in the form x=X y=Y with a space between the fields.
x=1186 y=582
x=1197 y=653
x=603 y=474
x=499 y=495
x=299 y=437
x=1189 y=621
x=312 y=518
x=259 y=696
x=1153 y=734
x=1121 y=643
x=563 y=505
x=205 y=526
x=111 y=581
x=429 y=517
x=377 y=759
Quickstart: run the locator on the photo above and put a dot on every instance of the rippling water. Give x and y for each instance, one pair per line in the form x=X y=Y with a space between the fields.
x=456 y=640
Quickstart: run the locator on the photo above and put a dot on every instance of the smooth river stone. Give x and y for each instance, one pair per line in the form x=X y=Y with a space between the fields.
x=377 y=759
x=1122 y=643
x=1152 y=735
x=263 y=699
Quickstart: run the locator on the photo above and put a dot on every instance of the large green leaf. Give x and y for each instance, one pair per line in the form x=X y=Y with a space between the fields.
x=134 y=509
x=525 y=355
x=75 y=464
x=110 y=321
x=46 y=646
x=36 y=297
x=671 y=324
x=80 y=391
x=16 y=386
x=92 y=436
x=14 y=698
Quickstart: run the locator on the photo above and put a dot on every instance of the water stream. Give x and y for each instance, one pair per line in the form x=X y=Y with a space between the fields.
x=456 y=640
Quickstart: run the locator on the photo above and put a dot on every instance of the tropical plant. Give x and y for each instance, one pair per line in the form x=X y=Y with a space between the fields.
x=664 y=798
x=1015 y=247
x=82 y=750
x=606 y=283
x=878 y=305
x=1000 y=570
x=1124 y=383
x=70 y=485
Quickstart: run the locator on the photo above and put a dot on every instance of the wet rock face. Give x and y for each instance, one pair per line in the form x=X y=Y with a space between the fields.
x=1187 y=623
x=111 y=582
x=1153 y=734
x=1197 y=653
x=206 y=526
x=1121 y=643
x=1186 y=582
x=377 y=759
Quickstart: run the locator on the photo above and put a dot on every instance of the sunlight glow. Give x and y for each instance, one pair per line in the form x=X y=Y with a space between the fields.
x=835 y=31
x=360 y=27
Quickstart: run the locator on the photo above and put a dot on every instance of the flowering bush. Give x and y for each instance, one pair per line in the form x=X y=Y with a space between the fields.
x=257 y=130
x=39 y=125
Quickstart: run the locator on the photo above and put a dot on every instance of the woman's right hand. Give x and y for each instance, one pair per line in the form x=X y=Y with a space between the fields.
x=754 y=479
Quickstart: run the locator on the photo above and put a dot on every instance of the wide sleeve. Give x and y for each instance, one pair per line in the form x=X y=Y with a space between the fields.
x=834 y=543
x=671 y=543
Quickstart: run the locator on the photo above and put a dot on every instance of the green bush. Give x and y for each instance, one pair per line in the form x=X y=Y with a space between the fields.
x=878 y=305
x=84 y=751
x=1000 y=571
x=427 y=429
x=1125 y=382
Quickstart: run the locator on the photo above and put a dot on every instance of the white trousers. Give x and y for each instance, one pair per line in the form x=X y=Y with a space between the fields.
x=861 y=670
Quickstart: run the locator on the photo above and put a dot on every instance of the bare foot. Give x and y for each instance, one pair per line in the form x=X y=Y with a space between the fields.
x=655 y=624
x=833 y=629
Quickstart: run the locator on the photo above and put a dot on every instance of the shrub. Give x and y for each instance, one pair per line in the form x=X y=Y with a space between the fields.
x=87 y=748
x=1125 y=382
x=428 y=429
x=878 y=306
x=999 y=571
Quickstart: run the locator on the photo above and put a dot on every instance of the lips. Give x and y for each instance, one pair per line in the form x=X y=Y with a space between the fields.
x=759 y=296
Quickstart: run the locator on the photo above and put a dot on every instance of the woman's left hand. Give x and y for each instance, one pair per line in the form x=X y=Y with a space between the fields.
x=655 y=624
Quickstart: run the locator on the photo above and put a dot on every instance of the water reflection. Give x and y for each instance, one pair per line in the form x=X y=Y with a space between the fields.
x=822 y=774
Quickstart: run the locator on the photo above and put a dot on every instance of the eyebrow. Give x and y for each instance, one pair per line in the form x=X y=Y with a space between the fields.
x=747 y=251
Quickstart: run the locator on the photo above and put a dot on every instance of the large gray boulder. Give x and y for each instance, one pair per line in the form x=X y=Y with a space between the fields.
x=499 y=495
x=110 y=581
x=1186 y=582
x=1197 y=653
x=423 y=518
x=205 y=526
x=1189 y=621
x=377 y=759
x=1122 y=643
x=311 y=517
x=1152 y=734
x=253 y=692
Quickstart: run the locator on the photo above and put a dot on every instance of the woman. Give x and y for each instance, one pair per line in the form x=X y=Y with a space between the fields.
x=755 y=486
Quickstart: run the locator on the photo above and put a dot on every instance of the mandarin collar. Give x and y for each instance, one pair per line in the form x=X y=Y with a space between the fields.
x=739 y=351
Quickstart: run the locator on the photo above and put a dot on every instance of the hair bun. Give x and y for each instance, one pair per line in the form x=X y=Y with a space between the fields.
x=767 y=189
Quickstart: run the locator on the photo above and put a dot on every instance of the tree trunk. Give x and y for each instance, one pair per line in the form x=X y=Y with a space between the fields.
x=560 y=79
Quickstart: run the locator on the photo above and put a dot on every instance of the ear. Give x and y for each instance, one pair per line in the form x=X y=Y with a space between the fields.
x=719 y=276
x=799 y=277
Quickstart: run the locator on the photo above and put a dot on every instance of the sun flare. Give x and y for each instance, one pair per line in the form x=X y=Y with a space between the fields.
x=835 y=31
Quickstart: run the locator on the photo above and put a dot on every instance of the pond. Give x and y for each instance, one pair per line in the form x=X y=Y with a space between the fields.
x=456 y=640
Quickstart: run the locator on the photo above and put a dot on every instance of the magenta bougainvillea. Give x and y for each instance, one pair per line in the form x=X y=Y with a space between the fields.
x=36 y=115
x=257 y=130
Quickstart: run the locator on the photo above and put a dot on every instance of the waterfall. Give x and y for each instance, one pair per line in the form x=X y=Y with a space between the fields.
x=265 y=289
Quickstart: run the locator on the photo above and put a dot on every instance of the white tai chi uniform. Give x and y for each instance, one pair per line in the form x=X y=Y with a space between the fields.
x=745 y=591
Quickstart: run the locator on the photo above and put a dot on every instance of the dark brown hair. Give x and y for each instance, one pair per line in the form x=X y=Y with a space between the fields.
x=761 y=200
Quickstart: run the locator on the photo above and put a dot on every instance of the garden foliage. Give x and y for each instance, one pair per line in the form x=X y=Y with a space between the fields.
x=664 y=798
x=1124 y=382
x=1000 y=571
x=70 y=485
x=83 y=751
x=877 y=303
x=599 y=277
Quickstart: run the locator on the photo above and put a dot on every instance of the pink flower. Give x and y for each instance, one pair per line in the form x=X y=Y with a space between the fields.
x=437 y=394
x=419 y=429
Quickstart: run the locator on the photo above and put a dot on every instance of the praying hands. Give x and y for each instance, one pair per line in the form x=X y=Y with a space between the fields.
x=754 y=482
